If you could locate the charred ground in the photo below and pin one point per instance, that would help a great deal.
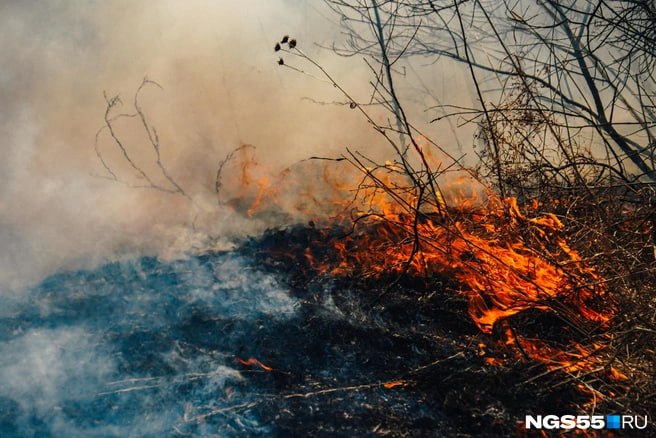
(418, 333)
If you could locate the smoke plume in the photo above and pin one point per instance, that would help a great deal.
(221, 88)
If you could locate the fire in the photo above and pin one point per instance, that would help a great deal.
(488, 252)
(505, 262)
(394, 384)
(252, 361)
(505, 258)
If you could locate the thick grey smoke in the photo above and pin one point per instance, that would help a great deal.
(221, 88)
(106, 341)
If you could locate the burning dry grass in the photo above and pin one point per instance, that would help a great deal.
(614, 228)
(537, 286)
(555, 279)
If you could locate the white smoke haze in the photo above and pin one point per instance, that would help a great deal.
(221, 88)
(110, 351)
(42, 365)
(101, 343)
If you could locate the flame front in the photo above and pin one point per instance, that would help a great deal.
(505, 259)
(504, 262)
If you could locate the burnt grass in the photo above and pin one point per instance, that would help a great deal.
(148, 347)
(331, 362)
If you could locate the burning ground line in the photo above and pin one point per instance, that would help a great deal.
(423, 242)
(543, 299)
(396, 237)
(486, 306)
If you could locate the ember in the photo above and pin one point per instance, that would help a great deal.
(253, 361)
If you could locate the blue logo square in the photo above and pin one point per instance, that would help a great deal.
(613, 421)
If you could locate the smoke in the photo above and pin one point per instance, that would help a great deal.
(137, 348)
(108, 340)
(221, 87)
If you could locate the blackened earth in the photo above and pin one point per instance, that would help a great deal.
(152, 348)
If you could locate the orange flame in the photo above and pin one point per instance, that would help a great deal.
(252, 361)
(505, 260)
(394, 384)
